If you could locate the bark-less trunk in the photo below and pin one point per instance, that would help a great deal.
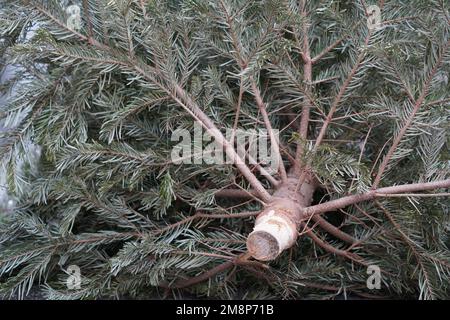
(276, 227)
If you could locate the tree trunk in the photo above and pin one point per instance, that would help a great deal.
(276, 226)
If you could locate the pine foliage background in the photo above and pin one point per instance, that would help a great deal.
(102, 102)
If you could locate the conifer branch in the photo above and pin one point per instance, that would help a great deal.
(333, 230)
(341, 93)
(273, 140)
(419, 258)
(86, 144)
(354, 199)
(328, 247)
(418, 104)
(307, 74)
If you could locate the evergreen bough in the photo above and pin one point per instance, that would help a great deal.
(363, 114)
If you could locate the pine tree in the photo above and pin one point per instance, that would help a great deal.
(362, 110)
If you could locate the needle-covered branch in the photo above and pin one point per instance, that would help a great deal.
(418, 104)
(99, 103)
(273, 138)
(354, 199)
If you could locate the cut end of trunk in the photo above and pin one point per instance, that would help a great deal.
(276, 226)
(262, 246)
(272, 234)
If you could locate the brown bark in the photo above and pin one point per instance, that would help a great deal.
(236, 193)
(378, 193)
(328, 227)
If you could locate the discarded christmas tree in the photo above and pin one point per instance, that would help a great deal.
(353, 97)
